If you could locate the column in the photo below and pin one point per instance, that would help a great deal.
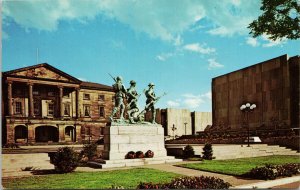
(9, 96)
(30, 94)
(60, 101)
(77, 102)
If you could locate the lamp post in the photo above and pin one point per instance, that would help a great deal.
(185, 127)
(173, 129)
(246, 109)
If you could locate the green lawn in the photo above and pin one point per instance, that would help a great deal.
(128, 178)
(240, 166)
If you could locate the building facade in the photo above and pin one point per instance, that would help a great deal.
(178, 122)
(272, 85)
(40, 103)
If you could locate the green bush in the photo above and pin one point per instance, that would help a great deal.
(188, 151)
(89, 151)
(201, 182)
(273, 171)
(149, 154)
(207, 152)
(65, 160)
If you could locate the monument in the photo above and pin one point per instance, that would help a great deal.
(133, 134)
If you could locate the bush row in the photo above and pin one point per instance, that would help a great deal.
(188, 152)
(273, 171)
(201, 182)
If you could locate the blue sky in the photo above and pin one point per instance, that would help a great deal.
(179, 45)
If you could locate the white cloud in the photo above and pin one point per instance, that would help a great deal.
(213, 64)
(171, 103)
(202, 49)
(164, 56)
(264, 41)
(252, 41)
(271, 43)
(191, 101)
(159, 19)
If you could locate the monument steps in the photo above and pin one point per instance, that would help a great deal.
(133, 162)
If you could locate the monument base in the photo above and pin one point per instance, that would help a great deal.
(119, 140)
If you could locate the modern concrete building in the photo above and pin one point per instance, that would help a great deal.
(178, 122)
(43, 104)
(273, 85)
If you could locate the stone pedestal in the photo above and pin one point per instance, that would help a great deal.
(119, 140)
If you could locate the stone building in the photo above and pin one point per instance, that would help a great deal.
(40, 103)
(273, 85)
(183, 121)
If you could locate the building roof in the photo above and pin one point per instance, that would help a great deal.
(97, 86)
(46, 65)
(83, 84)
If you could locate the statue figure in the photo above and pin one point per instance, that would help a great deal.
(132, 98)
(151, 100)
(120, 91)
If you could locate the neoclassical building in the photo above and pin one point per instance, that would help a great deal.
(42, 104)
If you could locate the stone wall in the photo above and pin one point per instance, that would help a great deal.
(266, 84)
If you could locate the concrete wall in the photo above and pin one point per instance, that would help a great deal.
(202, 119)
(178, 117)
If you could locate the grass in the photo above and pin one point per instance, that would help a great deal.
(128, 178)
(240, 166)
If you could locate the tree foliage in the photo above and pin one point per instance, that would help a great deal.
(280, 19)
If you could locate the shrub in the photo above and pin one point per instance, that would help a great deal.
(207, 152)
(201, 182)
(273, 171)
(130, 155)
(139, 154)
(149, 154)
(65, 160)
(188, 151)
(89, 151)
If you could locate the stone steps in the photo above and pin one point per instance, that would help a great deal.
(222, 152)
(133, 162)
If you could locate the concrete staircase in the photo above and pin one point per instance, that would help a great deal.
(226, 151)
(133, 162)
(14, 164)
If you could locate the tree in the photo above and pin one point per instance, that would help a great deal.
(280, 19)
(207, 152)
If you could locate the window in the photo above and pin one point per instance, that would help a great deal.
(101, 111)
(86, 96)
(67, 109)
(66, 94)
(36, 107)
(51, 93)
(18, 108)
(35, 92)
(101, 97)
(51, 109)
(86, 110)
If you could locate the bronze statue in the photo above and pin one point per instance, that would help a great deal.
(120, 93)
(151, 100)
(132, 98)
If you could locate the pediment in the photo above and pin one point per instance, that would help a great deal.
(43, 71)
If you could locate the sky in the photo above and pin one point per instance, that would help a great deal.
(179, 45)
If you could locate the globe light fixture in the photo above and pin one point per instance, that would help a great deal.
(246, 109)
